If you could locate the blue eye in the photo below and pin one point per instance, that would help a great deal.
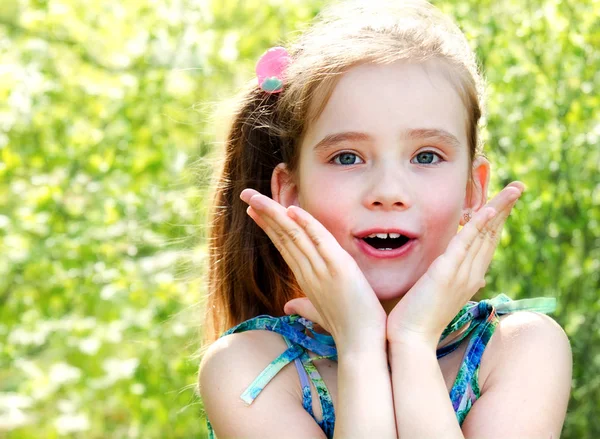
(428, 158)
(346, 158)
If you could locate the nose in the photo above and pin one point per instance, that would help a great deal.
(388, 189)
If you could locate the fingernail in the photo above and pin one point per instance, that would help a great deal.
(294, 212)
(245, 195)
(257, 201)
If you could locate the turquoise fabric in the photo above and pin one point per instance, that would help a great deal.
(482, 318)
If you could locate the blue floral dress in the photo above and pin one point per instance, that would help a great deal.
(482, 318)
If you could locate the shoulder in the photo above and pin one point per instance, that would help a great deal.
(527, 340)
(232, 362)
(250, 346)
(529, 364)
(227, 369)
(531, 337)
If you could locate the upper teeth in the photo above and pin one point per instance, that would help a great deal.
(384, 235)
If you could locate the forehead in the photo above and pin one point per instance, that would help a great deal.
(390, 100)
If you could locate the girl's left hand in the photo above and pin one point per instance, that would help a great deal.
(454, 277)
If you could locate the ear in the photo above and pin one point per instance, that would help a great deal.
(283, 188)
(477, 188)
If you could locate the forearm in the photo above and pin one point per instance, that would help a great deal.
(365, 405)
(423, 409)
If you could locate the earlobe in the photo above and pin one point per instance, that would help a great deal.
(477, 188)
(283, 188)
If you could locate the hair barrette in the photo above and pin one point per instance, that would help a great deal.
(270, 69)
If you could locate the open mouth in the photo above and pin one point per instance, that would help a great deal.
(386, 241)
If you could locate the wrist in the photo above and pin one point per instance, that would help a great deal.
(401, 352)
(411, 340)
(364, 345)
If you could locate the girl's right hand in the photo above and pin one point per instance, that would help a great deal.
(339, 297)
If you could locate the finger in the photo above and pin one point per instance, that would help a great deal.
(472, 272)
(493, 229)
(478, 261)
(493, 240)
(502, 203)
(518, 184)
(324, 241)
(288, 236)
(462, 243)
(506, 196)
(304, 307)
(502, 206)
(508, 203)
(480, 235)
(247, 194)
(285, 238)
(256, 217)
(467, 244)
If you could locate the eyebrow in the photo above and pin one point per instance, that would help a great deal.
(413, 134)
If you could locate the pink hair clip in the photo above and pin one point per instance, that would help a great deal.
(270, 69)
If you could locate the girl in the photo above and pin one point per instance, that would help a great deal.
(349, 167)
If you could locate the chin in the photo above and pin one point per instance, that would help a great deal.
(389, 291)
(389, 296)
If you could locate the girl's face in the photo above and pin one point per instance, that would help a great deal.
(388, 153)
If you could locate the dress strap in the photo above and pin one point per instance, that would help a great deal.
(463, 394)
(327, 410)
(505, 305)
(304, 381)
(269, 373)
(293, 327)
(475, 312)
(483, 318)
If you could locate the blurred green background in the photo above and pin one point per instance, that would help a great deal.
(108, 132)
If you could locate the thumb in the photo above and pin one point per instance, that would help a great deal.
(304, 307)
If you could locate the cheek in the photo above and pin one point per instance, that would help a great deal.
(332, 213)
(331, 206)
(442, 216)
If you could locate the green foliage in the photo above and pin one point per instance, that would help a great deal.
(107, 136)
